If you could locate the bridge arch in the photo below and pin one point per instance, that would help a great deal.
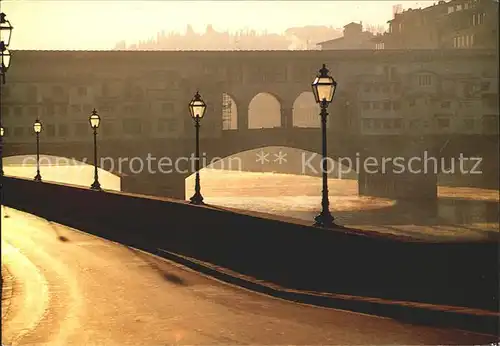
(264, 111)
(306, 111)
(287, 159)
(229, 112)
(63, 170)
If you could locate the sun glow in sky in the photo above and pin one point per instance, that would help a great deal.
(98, 24)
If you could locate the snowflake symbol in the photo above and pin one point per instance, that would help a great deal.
(262, 157)
(280, 157)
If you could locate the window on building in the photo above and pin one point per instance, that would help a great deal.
(18, 131)
(57, 91)
(387, 105)
(443, 123)
(425, 80)
(490, 101)
(377, 123)
(108, 130)
(49, 110)
(87, 108)
(51, 130)
(469, 124)
(132, 126)
(367, 123)
(485, 86)
(167, 125)
(76, 109)
(398, 123)
(490, 123)
(380, 46)
(459, 7)
(82, 129)
(63, 130)
(396, 105)
(33, 111)
(387, 123)
(18, 111)
(31, 93)
(481, 18)
(366, 105)
(167, 107)
(472, 40)
(445, 104)
(415, 124)
(451, 9)
(62, 110)
(128, 109)
(376, 105)
(105, 90)
(82, 91)
(455, 42)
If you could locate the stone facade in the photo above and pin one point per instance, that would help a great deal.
(456, 24)
(143, 95)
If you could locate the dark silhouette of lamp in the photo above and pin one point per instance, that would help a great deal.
(324, 87)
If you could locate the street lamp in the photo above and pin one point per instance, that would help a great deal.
(5, 35)
(94, 120)
(324, 89)
(197, 109)
(37, 127)
(5, 30)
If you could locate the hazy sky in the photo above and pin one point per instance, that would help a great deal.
(98, 24)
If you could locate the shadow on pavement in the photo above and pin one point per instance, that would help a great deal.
(156, 265)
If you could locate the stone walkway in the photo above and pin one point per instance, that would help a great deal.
(7, 290)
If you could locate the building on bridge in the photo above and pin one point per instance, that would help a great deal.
(145, 94)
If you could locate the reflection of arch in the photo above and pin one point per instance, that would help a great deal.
(63, 170)
(264, 111)
(245, 160)
(229, 112)
(306, 111)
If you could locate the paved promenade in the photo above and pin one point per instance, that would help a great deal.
(76, 289)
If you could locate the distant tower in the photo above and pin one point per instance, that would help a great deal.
(226, 111)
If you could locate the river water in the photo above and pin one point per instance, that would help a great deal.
(460, 213)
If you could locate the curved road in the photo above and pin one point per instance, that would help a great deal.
(71, 288)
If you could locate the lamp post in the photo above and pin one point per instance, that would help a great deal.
(94, 120)
(197, 109)
(37, 127)
(5, 35)
(324, 89)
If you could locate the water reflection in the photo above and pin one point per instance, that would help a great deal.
(459, 213)
(61, 170)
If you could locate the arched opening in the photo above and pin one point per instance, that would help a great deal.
(306, 111)
(61, 170)
(229, 113)
(274, 180)
(264, 111)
